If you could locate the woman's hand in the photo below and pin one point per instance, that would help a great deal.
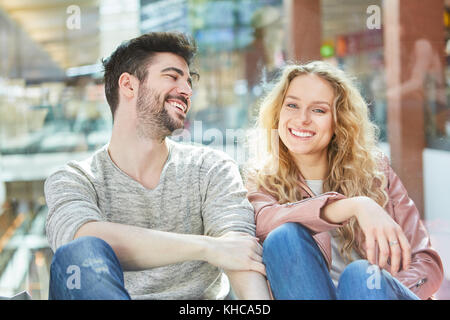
(380, 229)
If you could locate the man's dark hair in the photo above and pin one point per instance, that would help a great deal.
(135, 55)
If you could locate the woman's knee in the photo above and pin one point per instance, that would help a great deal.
(286, 235)
(358, 276)
(362, 280)
(359, 268)
(286, 232)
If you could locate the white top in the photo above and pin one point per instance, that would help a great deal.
(338, 263)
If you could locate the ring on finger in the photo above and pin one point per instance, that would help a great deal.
(393, 243)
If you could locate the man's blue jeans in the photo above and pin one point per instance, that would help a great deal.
(297, 270)
(86, 269)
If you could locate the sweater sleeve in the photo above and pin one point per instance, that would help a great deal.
(225, 206)
(71, 202)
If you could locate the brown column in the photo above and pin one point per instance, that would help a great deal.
(304, 29)
(413, 34)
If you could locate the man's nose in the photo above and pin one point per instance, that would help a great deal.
(185, 90)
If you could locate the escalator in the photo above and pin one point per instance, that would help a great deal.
(25, 257)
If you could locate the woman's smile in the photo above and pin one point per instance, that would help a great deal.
(302, 134)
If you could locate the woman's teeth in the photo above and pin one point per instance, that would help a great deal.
(301, 134)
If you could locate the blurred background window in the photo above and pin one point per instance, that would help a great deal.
(53, 109)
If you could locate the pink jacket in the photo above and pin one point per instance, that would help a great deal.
(425, 273)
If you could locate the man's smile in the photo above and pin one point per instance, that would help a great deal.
(179, 102)
(178, 105)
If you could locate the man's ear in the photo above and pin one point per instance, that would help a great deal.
(128, 85)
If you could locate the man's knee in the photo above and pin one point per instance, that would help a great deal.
(86, 268)
(76, 251)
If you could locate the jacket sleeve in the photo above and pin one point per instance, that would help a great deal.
(269, 214)
(425, 273)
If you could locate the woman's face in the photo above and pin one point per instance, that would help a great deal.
(306, 117)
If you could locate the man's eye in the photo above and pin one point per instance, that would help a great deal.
(174, 77)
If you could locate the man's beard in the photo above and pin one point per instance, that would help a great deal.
(153, 119)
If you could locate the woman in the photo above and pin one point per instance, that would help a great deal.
(335, 219)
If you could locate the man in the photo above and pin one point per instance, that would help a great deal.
(146, 217)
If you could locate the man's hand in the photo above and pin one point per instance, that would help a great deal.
(236, 251)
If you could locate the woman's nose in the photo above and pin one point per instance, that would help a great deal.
(304, 115)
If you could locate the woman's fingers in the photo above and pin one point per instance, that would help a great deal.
(370, 248)
(384, 249)
(395, 254)
(406, 250)
(395, 246)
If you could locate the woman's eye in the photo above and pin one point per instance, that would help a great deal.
(291, 105)
(318, 110)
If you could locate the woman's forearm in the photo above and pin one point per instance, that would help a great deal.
(339, 211)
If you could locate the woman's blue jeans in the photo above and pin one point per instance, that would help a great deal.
(297, 270)
(86, 269)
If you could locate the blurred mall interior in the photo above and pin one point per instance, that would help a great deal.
(53, 109)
